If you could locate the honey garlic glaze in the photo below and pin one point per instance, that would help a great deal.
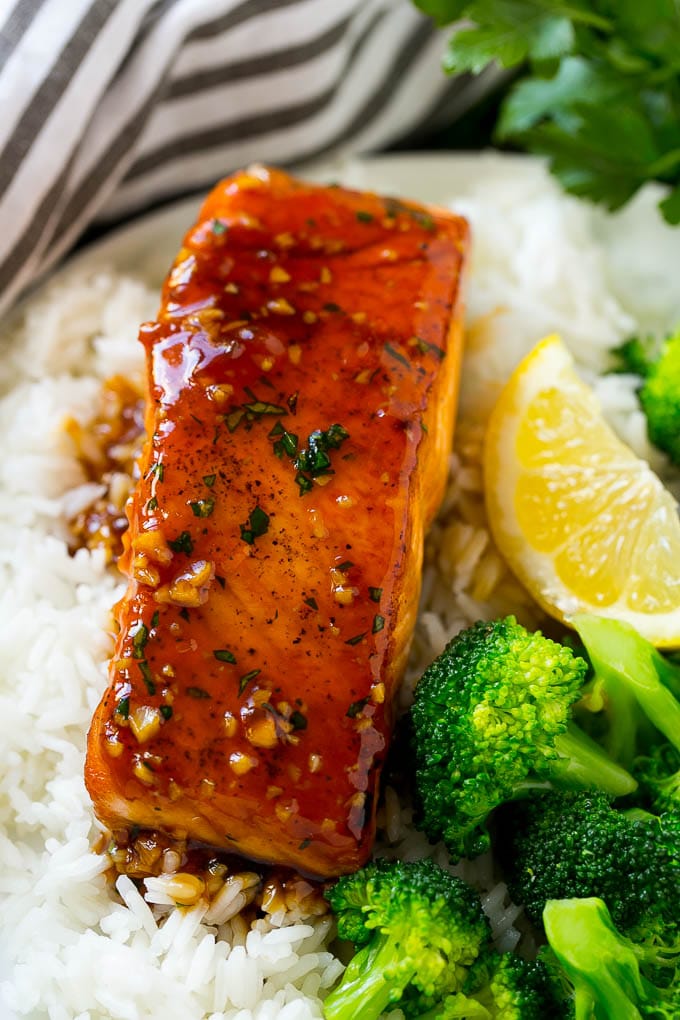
(301, 387)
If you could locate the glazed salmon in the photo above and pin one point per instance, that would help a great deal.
(302, 377)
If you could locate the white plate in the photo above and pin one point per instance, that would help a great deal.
(147, 245)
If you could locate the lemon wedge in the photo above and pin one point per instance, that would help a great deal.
(585, 524)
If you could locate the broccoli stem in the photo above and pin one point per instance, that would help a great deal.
(366, 990)
(584, 763)
(622, 657)
(602, 965)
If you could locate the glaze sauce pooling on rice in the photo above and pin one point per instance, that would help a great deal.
(72, 941)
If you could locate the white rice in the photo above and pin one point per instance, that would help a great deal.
(73, 945)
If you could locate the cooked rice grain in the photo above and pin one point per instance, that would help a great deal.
(74, 944)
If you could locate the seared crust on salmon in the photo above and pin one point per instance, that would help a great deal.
(302, 376)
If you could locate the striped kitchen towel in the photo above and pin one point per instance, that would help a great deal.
(111, 106)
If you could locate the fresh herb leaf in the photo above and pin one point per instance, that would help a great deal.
(219, 227)
(364, 217)
(314, 460)
(378, 623)
(152, 504)
(397, 355)
(245, 680)
(139, 639)
(203, 507)
(183, 543)
(600, 90)
(298, 721)
(356, 639)
(312, 603)
(345, 565)
(123, 708)
(305, 843)
(304, 483)
(224, 655)
(258, 525)
(209, 480)
(147, 677)
(197, 692)
(154, 619)
(166, 712)
(375, 594)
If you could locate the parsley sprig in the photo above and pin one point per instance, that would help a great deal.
(599, 89)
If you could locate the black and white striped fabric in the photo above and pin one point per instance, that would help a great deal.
(109, 106)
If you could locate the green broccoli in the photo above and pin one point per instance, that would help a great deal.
(659, 777)
(560, 845)
(637, 687)
(416, 929)
(514, 989)
(659, 393)
(613, 976)
(492, 721)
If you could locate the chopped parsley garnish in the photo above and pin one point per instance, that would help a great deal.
(139, 639)
(252, 411)
(158, 470)
(258, 525)
(183, 543)
(145, 670)
(224, 655)
(209, 480)
(356, 707)
(305, 843)
(345, 565)
(123, 708)
(166, 712)
(364, 217)
(298, 721)
(152, 504)
(154, 620)
(397, 355)
(378, 623)
(305, 484)
(314, 460)
(219, 227)
(375, 594)
(284, 442)
(197, 692)
(312, 603)
(245, 680)
(427, 348)
(203, 507)
(356, 639)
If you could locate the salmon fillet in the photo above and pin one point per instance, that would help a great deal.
(302, 376)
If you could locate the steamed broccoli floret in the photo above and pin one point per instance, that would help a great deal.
(639, 688)
(659, 394)
(565, 845)
(610, 973)
(515, 989)
(416, 928)
(659, 777)
(637, 354)
(491, 721)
